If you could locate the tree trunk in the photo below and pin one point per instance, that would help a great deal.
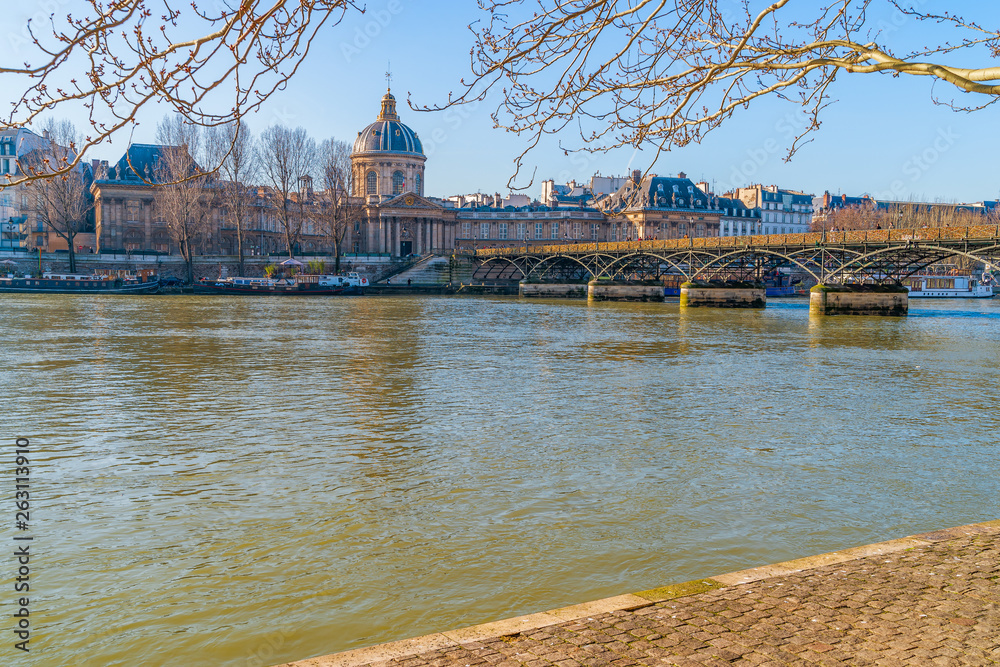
(188, 259)
(72, 251)
(239, 245)
(336, 256)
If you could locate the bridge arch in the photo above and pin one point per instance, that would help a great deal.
(623, 261)
(943, 253)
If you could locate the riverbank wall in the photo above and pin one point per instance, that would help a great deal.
(923, 599)
(374, 267)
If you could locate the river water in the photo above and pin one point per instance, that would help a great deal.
(250, 481)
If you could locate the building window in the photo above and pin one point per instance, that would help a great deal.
(503, 231)
(555, 230)
(577, 231)
(371, 183)
(539, 230)
(614, 231)
(466, 230)
(398, 183)
(420, 185)
(522, 231)
(484, 230)
(682, 229)
(593, 230)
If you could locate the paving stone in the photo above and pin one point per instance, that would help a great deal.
(936, 603)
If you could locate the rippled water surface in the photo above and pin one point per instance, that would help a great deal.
(241, 481)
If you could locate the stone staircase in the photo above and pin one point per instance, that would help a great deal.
(435, 270)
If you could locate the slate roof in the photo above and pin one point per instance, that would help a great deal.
(388, 134)
(660, 192)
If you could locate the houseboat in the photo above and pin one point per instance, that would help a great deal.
(112, 282)
(947, 287)
(303, 285)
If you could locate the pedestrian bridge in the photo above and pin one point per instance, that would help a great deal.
(880, 256)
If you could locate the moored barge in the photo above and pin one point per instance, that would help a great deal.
(305, 285)
(116, 282)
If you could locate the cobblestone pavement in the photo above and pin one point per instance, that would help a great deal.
(937, 603)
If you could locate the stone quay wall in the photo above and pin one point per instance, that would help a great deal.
(208, 266)
(825, 301)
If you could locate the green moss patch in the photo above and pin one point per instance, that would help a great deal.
(680, 590)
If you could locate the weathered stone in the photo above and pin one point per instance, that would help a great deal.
(704, 295)
(858, 300)
(553, 290)
(609, 290)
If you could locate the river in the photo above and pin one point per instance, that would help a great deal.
(242, 481)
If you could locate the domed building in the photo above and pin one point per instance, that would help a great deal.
(388, 159)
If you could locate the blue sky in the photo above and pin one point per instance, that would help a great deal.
(883, 136)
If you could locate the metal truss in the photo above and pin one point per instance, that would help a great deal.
(887, 256)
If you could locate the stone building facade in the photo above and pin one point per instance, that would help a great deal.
(398, 219)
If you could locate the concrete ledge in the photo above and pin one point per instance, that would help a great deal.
(379, 653)
(522, 624)
(585, 609)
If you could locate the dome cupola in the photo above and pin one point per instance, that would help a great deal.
(388, 134)
(388, 158)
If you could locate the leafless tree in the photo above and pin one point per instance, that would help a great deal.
(661, 73)
(62, 203)
(285, 157)
(183, 200)
(212, 63)
(902, 215)
(337, 211)
(232, 147)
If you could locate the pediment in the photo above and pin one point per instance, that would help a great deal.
(410, 200)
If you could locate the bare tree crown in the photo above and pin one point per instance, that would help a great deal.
(663, 74)
(211, 63)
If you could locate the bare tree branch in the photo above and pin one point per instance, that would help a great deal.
(209, 66)
(664, 73)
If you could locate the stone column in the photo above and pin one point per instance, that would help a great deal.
(394, 247)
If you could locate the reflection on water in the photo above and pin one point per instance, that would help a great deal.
(220, 481)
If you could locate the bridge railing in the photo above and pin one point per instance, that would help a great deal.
(978, 232)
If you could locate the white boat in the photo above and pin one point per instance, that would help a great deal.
(948, 287)
(354, 279)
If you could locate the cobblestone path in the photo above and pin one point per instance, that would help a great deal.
(935, 603)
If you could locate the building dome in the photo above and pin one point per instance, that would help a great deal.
(388, 134)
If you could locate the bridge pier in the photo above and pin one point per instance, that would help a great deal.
(723, 295)
(886, 300)
(552, 290)
(612, 290)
